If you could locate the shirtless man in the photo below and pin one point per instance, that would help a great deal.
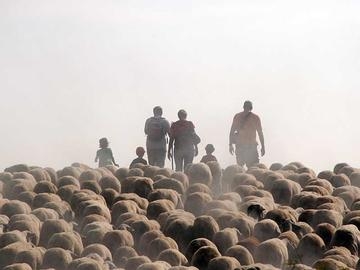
(243, 134)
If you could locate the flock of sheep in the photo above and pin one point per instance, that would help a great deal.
(150, 218)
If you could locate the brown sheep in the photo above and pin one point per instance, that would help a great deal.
(228, 176)
(223, 263)
(117, 238)
(158, 265)
(347, 236)
(173, 257)
(326, 231)
(32, 257)
(66, 240)
(168, 194)
(160, 244)
(226, 238)
(135, 262)
(272, 251)
(204, 227)
(182, 177)
(155, 208)
(52, 226)
(56, 258)
(266, 229)
(18, 266)
(283, 190)
(340, 180)
(200, 173)
(122, 254)
(170, 183)
(99, 249)
(240, 253)
(310, 249)
(110, 182)
(9, 252)
(203, 256)
(67, 180)
(14, 207)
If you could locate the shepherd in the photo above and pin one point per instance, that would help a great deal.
(156, 129)
(243, 131)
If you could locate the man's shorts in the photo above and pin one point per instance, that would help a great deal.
(247, 154)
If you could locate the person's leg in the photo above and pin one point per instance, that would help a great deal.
(252, 156)
(160, 158)
(188, 157)
(239, 152)
(178, 157)
(151, 156)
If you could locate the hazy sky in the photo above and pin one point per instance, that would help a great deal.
(74, 71)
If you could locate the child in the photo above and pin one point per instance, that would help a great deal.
(104, 154)
(140, 151)
(208, 157)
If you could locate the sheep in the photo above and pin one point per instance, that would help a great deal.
(272, 251)
(173, 257)
(9, 252)
(224, 263)
(204, 226)
(310, 248)
(226, 238)
(203, 256)
(33, 257)
(122, 254)
(18, 266)
(117, 238)
(199, 173)
(240, 253)
(99, 249)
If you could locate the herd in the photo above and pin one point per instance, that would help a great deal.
(206, 218)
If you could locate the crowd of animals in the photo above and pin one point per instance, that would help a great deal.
(206, 218)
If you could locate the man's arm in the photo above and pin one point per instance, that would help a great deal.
(170, 147)
(146, 127)
(232, 135)
(261, 137)
(97, 157)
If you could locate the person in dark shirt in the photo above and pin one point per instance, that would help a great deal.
(140, 151)
(209, 148)
(184, 139)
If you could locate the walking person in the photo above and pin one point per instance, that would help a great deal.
(156, 129)
(243, 131)
(184, 140)
(104, 155)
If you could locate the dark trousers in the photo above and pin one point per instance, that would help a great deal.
(183, 157)
(156, 157)
(247, 154)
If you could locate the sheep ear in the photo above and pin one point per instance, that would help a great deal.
(74, 256)
(31, 237)
(5, 227)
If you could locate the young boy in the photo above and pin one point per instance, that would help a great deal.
(140, 151)
(208, 157)
(104, 155)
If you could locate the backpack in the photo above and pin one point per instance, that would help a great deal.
(155, 129)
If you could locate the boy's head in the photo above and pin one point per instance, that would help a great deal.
(209, 149)
(182, 114)
(103, 142)
(140, 151)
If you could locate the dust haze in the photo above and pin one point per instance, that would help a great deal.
(74, 71)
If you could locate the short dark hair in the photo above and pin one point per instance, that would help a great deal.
(182, 114)
(248, 104)
(157, 110)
